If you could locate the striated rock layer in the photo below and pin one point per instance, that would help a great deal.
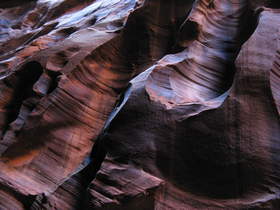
(218, 153)
(60, 129)
(117, 186)
(200, 129)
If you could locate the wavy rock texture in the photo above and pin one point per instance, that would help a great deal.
(204, 120)
(205, 67)
(218, 152)
(70, 116)
(63, 66)
(117, 186)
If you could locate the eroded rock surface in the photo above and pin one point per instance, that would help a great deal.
(117, 186)
(200, 129)
(221, 152)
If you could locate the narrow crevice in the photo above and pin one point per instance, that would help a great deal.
(249, 26)
(22, 83)
(188, 33)
(55, 77)
(99, 151)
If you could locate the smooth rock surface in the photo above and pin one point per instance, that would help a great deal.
(200, 129)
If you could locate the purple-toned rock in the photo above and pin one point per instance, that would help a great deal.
(200, 129)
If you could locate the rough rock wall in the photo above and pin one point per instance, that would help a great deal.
(203, 120)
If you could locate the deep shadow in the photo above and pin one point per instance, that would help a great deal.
(189, 31)
(192, 154)
(273, 4)
(22, 84)
(25, 200)
(55, 78)
(14, 3)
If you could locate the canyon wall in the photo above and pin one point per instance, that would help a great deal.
(139, 104)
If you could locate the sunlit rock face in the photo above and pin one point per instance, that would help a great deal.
(200, 128)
